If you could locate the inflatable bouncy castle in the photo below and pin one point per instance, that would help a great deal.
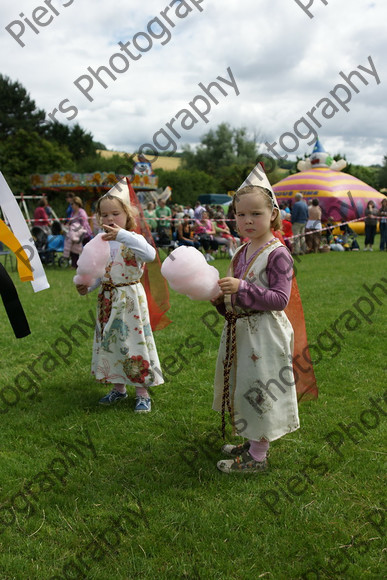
(341, 196)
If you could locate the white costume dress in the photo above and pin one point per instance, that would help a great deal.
(124, 350)
(262, 392)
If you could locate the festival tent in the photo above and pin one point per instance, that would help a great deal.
(341, 196)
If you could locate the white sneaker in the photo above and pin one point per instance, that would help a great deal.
(211, 258)
(208, 257)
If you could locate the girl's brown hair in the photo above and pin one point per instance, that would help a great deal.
(267, 196)
(129, 210)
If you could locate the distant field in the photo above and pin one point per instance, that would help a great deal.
(166, 163)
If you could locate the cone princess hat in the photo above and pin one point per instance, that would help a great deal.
(121, 190)
(258, 178)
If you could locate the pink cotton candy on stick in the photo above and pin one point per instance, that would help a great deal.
(188, 273)
(92, 262)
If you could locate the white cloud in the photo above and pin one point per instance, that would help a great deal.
(283, 62)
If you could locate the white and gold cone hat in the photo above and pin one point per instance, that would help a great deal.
(258, 178)
(121, 190)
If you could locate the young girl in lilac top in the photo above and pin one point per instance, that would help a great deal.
(254, 378)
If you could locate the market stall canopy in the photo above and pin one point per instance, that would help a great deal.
(100, 180)
(341, 196)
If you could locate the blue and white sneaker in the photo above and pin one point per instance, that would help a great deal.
(143, 405)
(112, 397)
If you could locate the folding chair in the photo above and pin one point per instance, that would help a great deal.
(7, 254)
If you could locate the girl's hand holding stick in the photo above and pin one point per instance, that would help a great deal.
(229, 285)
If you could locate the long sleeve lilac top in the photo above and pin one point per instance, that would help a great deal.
(252, 296)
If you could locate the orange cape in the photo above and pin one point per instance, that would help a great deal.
(154, 283)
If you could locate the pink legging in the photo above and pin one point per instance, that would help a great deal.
(258, 449)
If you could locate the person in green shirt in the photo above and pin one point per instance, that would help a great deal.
(163, 212)
(150, 214)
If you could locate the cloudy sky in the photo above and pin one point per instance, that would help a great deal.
(160, 56)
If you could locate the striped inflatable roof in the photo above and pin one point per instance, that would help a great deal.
(322, 181)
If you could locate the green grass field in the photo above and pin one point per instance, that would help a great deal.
(102, 493)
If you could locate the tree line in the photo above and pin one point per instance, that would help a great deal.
(30, 144)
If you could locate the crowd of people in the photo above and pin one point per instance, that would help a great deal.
(212, 228)
(200, 226)
(304, 233)
(69, 237)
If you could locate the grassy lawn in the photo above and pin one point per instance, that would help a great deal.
(102, 493)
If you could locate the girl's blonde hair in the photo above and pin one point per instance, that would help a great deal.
(78, 201)
(130, 211)
(268, 198)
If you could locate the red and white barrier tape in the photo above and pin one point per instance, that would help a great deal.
(332, 227)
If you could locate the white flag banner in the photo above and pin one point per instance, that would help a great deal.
(20, 229)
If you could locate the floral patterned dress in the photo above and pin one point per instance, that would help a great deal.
(124, 349)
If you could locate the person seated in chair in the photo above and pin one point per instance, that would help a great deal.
(185, 233)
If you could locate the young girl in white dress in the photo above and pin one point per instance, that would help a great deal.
(124, 350)
(254, 378)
